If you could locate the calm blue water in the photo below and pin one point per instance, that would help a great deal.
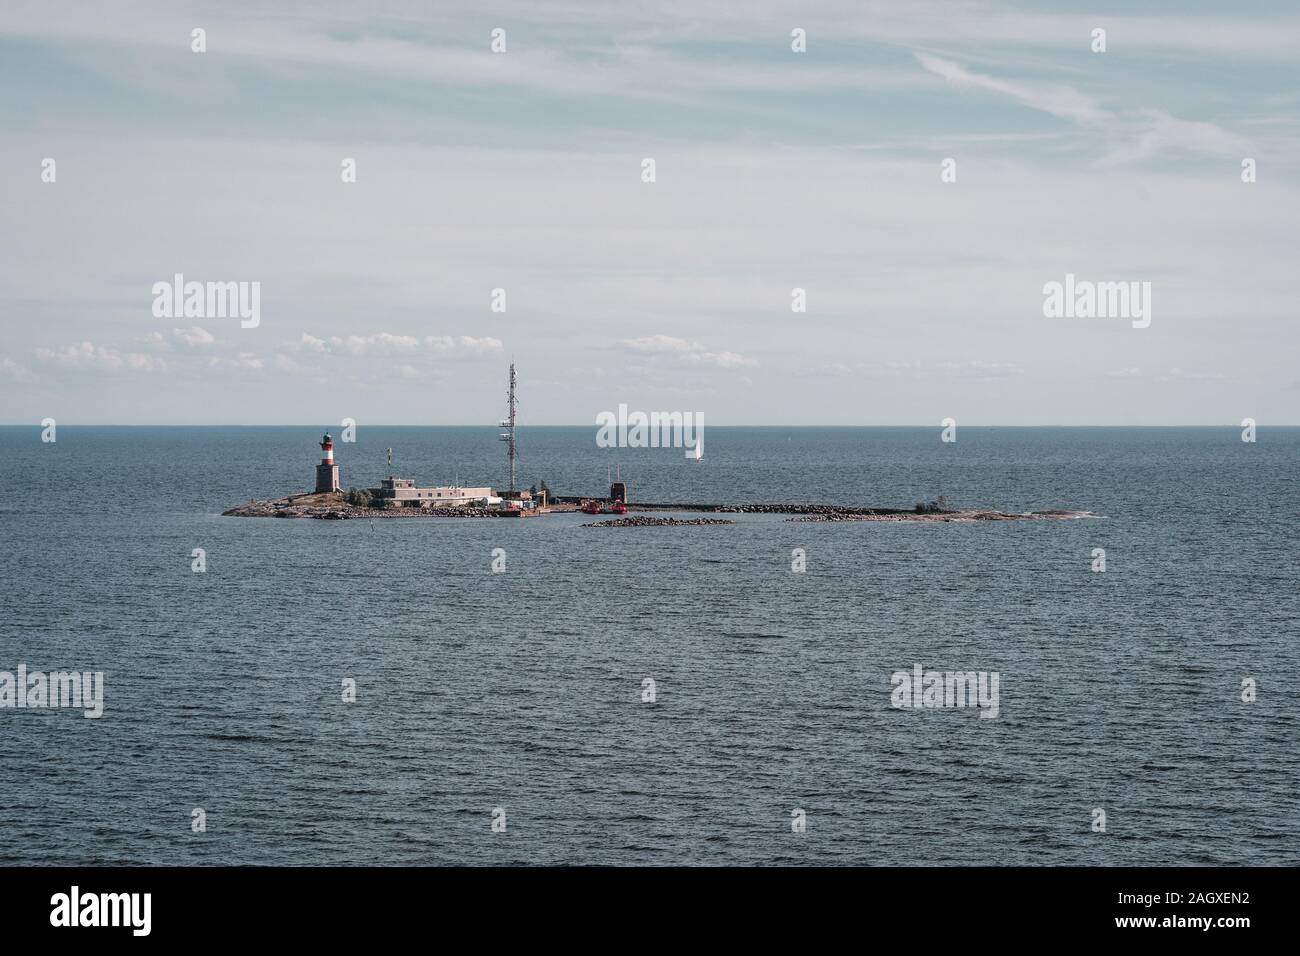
(522, 690)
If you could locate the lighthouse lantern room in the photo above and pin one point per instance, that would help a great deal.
(327, 473)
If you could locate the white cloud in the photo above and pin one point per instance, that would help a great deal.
(462, 343)
(380, 342)
(659, 343)
(691, 353)
(385, 343)
(11, 370)
(89, 355)
(194, 336)
(244, 361)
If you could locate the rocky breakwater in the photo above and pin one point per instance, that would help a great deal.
(814, 510)
(946, 516)
(643, 522)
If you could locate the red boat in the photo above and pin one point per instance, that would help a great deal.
(618, 508)
(591, 507)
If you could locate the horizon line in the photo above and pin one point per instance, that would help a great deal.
(315, 425)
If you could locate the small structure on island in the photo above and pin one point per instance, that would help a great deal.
(327, 473)
(402, 493)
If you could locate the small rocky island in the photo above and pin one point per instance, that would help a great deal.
(336, 505)
(402, 498)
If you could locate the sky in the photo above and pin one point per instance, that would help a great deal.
(775, 170)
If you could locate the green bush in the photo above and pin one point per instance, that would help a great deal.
(361, 498)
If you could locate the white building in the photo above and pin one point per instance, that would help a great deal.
(403, 493)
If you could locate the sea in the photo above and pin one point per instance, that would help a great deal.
(536, 692)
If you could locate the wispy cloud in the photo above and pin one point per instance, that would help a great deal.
(1061, 101)
(1143, 132)
(690, 353)
(1158, 134)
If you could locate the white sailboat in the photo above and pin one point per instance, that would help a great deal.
(696, 453)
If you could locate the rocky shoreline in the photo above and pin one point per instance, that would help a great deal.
(329, 507)
(642, 522)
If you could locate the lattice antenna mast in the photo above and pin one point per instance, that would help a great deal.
(509, 425)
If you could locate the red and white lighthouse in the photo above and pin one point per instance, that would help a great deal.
(327, 473)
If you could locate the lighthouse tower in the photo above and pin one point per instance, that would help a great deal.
(327, 473)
